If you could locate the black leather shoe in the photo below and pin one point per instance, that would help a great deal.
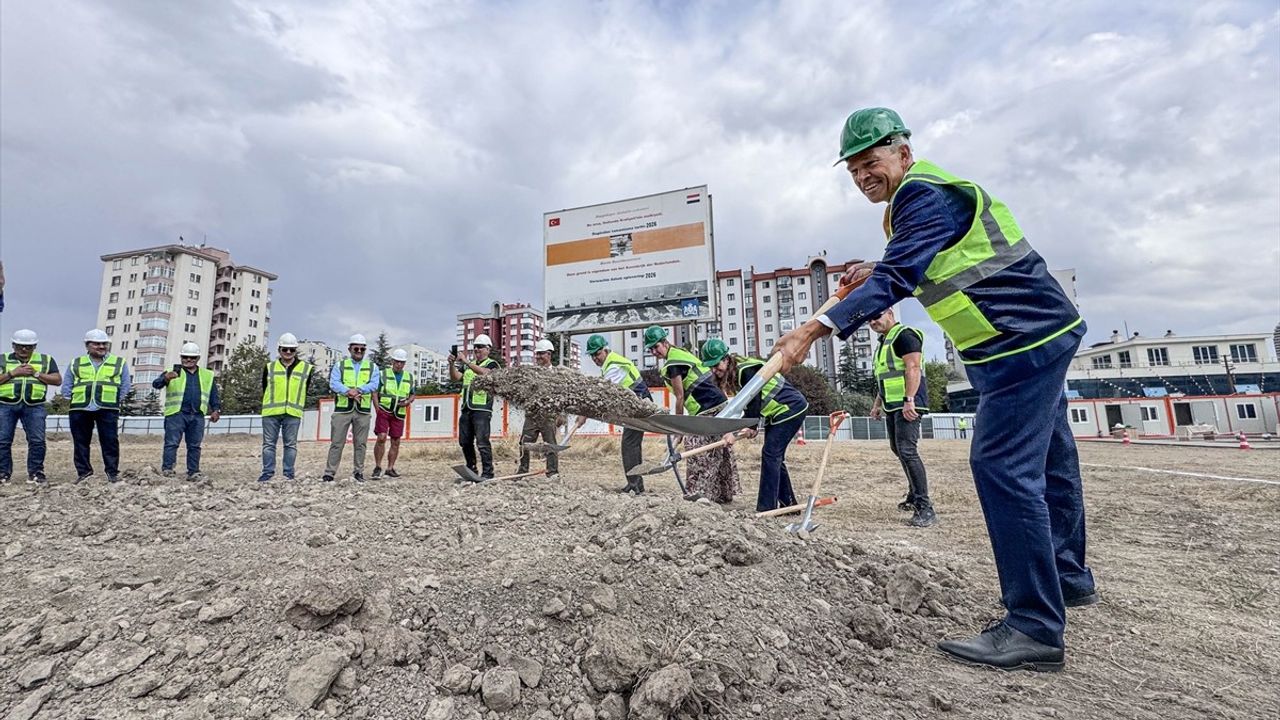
(1003, 647)
(1092, 598)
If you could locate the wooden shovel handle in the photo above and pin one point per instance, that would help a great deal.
(710, 446)
(796, 508)
(521, 475)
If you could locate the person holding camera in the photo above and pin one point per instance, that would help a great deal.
(477, 405)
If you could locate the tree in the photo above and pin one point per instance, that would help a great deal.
(130, 404)
(853, 379)
(936, 374)
(814, 386)
(555, 339)
(241, 381)
(857, 404)
(150, 403)
(430, 387)
(317, 388)
(382, 351)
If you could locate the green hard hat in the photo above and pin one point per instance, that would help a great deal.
(653, 335)
(713, 351)
(596, 343)
(866, 127)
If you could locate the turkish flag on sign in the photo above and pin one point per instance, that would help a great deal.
(553, 222)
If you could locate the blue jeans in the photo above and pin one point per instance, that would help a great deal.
(177, 425)
(1027, 474)
(273, 427)
(775, 481)
(32, 417)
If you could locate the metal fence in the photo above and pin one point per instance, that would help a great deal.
(942, 426)
(154, 425)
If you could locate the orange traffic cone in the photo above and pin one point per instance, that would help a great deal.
(1244, 442)
(1125, 438)
(800, 438)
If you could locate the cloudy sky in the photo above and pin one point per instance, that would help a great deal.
(391, 159)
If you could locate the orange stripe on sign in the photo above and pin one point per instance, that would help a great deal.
(578, 251)
(680, 236)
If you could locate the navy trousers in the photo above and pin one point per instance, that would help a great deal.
(775, 481)
(1027, 475)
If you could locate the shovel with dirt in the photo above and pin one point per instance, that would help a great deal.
(549, 392)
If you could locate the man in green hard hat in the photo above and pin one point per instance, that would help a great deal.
(622, 372)
(960, 252)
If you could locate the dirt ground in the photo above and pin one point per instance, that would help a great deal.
(160, 598)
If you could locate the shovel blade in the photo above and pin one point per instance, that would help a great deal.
(467, 474)
(685, 424)
(651, 469)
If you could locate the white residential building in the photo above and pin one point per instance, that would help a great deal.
(155, 299)
(321, 356)
(425, 364)
(755, 309)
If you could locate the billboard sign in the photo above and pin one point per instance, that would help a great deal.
(644, 261)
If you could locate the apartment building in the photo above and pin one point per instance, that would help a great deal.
(319, 354)
(155, 299)
(426, 365)
(755, 309)
(514, 328)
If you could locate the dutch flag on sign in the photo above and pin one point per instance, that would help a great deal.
(691, 199)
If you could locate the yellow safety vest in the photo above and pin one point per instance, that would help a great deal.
(476, 399)
(700, 389)
(24, 390)
(353, 379)
(100, 385)
(992, 244)
(392, 391)
(286, 392)
(177, 389)
(891, 375)
(632, 379)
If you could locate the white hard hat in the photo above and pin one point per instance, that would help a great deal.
(287, 340)
(96, 335)
(482, 340)
(25, 337)
(189, 349)
(544, 345)
(399, 355)
(357, 339)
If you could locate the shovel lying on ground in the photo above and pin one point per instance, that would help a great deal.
(546, 448)
(676, 456)
(821, 502)
(806, 523)
(748, 392)
(469, 475)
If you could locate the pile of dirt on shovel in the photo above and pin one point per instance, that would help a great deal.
(416, 598)
(549, 392)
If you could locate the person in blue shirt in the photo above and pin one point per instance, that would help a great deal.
(190, 394)
(960, 252)
(95, 384)
(353, 381)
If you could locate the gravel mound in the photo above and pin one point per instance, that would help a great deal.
(419, 599)
(549, 392)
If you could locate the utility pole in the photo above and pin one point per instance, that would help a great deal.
(1231, 379)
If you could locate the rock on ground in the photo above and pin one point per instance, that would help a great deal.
(615, 657)
(662, 693)
(500, 689)
(309, 682)
(107, 662)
